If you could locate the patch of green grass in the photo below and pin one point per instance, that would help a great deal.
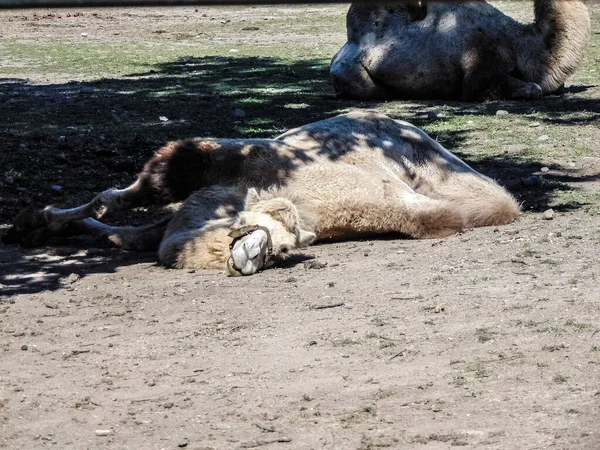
(480, 371)
(578, 326)
(384, 393)
(484, 334)
(345, 342)
(573, 198)
(559, 379)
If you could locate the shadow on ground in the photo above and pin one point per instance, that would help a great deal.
(63, 143)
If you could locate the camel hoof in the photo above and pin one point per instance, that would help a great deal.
(29, 229)
(248, 255)
(530, 91)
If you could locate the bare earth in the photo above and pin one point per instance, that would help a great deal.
(489, 339)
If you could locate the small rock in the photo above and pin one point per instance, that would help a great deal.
(233, 50)
(530, 181)
(83, 34)
(314, 264)
(72, 278)
(534, 124)
(432, 115)
(331, 284)
(470, 122)
(103, 432)
(548, 214)
(163, 119)
(24, 347)
(239, 113)
(56, 188)
(9, 179)
(168, 405)
(502, 112)
(545, 169)
(182, 444)
(543, 137)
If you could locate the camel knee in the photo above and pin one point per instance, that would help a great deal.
(170, 249)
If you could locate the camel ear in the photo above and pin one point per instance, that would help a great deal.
(251, 199)
(284, 213)
(306, 238)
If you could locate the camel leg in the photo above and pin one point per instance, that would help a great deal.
(413, 214)
(33, 227)
(145, 237)
(516, 89)
(197, 235)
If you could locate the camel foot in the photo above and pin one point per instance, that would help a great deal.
(29, 229)
(529, 91)
(249, 254)
(33, 228)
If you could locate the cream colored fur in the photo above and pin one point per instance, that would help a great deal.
(366, 174)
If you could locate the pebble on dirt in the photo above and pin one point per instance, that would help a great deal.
(103, 432)
(239, 113)
(73, 278)
(543, 137)
(56, 188)
(24, 347)
(501, 112)
(432, 115)
(530, 181)
(548, 214)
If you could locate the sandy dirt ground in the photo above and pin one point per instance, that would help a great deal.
(489, 340)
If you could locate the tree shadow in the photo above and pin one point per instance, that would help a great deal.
(63, 143)
(29, 271)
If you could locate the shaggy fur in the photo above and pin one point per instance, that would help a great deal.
(466, 50)
(355, 174)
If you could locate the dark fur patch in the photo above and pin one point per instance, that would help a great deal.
(182, 167)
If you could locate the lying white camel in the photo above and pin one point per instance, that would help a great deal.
(249, 202)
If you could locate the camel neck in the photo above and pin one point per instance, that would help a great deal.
(563, 28)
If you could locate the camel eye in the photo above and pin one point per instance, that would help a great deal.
(284, 249)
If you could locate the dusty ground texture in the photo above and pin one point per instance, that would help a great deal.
(489, 339)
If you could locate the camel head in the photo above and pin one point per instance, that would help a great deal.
(265, 232)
